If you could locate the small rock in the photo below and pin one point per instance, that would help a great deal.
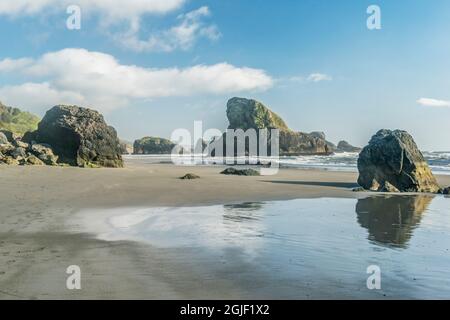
(3, 138)
(20, 144)
(34, 161)
(19, 153)
(45, 153)
(388, 187)
(358, 189)
(10, 161)
(446, 190)
(10, 136)
(240, 172)
(190, 176)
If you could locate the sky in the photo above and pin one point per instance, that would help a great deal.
(153, 66)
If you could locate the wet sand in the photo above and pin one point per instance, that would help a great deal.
(37, 244)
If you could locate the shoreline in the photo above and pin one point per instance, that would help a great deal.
(37, 244)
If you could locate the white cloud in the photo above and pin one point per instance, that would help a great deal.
(182, 36)
(113, 9)
(123, 22)
(8, 65)
(428, 102)
(99, 80)
(317, 77)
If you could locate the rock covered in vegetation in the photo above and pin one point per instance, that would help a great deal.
(392, 162)
(248, 114)
(153, 145)
(80, 137)
(240, 172)
(16, 121)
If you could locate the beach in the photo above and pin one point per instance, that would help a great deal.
(39, 238)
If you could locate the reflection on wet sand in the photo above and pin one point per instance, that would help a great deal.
(242, 211)
(391, 220)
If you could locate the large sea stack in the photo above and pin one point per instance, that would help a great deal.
(251, 114)
(392, 162)
(80, 137)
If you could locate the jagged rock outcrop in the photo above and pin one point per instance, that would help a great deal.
(153, 145)
(79, 137)
(16, 152)
(392, 162)
(344, 146)
(251, 114)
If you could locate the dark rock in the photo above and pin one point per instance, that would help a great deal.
(446, 190)
(358, 189)
(80, 137)
(19, 153)
(45, 153)
(344, 146)
(240, 172)
(190, 176)
(153, 145)
(3, 138)
(10, 136)
(392, 161)
(248, 114)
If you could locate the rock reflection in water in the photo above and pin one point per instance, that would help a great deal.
(391, 220)
(244, 219)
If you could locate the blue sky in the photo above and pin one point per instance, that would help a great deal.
(154, 66)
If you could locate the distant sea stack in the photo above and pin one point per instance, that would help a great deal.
(392, 162)
(153, 145)
(344, 146)
(79, 136)
(251, 114)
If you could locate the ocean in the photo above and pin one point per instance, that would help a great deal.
(439, 161)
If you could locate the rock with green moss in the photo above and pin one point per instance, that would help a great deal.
(153, 145)
(16, 121)
(251, 114)
(79, 137)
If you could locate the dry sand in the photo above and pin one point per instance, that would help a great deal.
(36, 244)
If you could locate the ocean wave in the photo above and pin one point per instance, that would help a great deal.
(439, 161)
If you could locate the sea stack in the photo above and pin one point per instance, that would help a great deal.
(392, 162)
(80, 137)
(247, 114)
